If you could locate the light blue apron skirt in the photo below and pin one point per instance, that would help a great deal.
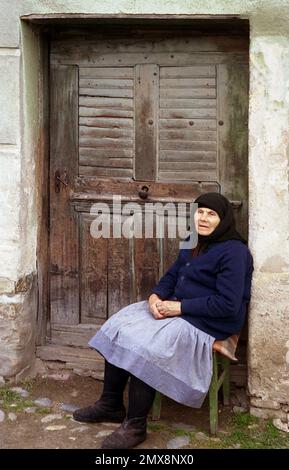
(170, 355)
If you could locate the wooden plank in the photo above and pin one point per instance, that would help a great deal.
(170, 250)
(64, 288)
(205, 124)
(105, 143)
(113, 93)
(209, 175)
(106, 162)
(239, 374)
(146, 120)
(112, 103)
(146, 266)
(106, 83)
(163, 59)
(233, 102)
(187, 155)
(188, 103)
(193, 113)
(181, 93)
(183, 166)
(184, 83)
(171, 40)
(42, 178)
(108, 112)
(188, 135)
(112, 172)
(188, 71)
(187, 145)
(106, 73)
(119, 274)
(84, 111)
(76, 337)
(108, 123)
(74, 357)
(89, 189)
(80, 328)
(105, 133)
(86, 152)
(93, 263)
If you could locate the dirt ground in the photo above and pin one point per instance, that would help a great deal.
(23, 425)
(28, 431)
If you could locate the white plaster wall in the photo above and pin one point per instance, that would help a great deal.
(269, 150)
(9, 101)
(9, 23)
(10, 163)
(31, 115)
(269, 224)
(9, 212)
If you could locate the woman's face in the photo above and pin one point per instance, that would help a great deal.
(206, 220)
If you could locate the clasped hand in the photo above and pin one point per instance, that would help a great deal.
(161, 309)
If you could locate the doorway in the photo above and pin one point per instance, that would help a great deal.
(151, 114)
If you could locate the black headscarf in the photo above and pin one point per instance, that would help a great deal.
(226, 229)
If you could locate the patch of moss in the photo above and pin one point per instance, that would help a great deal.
(241, 420)
(13, 402)
(43, 411)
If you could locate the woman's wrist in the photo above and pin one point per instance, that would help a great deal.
(153, 298)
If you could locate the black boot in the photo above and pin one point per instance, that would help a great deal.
(130, 433)
(108, 408)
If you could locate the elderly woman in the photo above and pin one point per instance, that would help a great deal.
(165, 344)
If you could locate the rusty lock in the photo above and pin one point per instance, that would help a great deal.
(143, 192)
(58, 181)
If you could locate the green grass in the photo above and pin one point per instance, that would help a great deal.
(43, 411)
(243, 431)
(181, 432)
(10, 397)
(243, 420)
(27, 384)
(14, 403)
(157, 427)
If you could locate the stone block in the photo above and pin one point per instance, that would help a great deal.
(17, 332)
(268, 337)
(260, 403)
(267, 414)
(7, 286)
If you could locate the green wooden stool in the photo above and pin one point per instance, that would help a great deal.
(223, 354)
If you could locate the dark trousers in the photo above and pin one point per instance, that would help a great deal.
(140, 395)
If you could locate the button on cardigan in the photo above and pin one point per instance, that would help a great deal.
(214, 288)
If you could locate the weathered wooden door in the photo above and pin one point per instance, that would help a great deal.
(148, 119)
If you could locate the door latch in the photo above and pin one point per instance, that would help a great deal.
(143, 192)
(58, 181)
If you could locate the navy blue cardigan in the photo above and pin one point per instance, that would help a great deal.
(214, 288)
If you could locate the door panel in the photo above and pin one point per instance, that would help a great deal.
(146, 120)
(106, 111)
(188, 150)
(93, 278)
(233, 91)
(64, 242)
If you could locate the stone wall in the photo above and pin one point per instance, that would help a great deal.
(268, 178)
(269, 224)
(18, 311)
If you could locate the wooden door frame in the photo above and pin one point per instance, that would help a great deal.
(43, 25)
